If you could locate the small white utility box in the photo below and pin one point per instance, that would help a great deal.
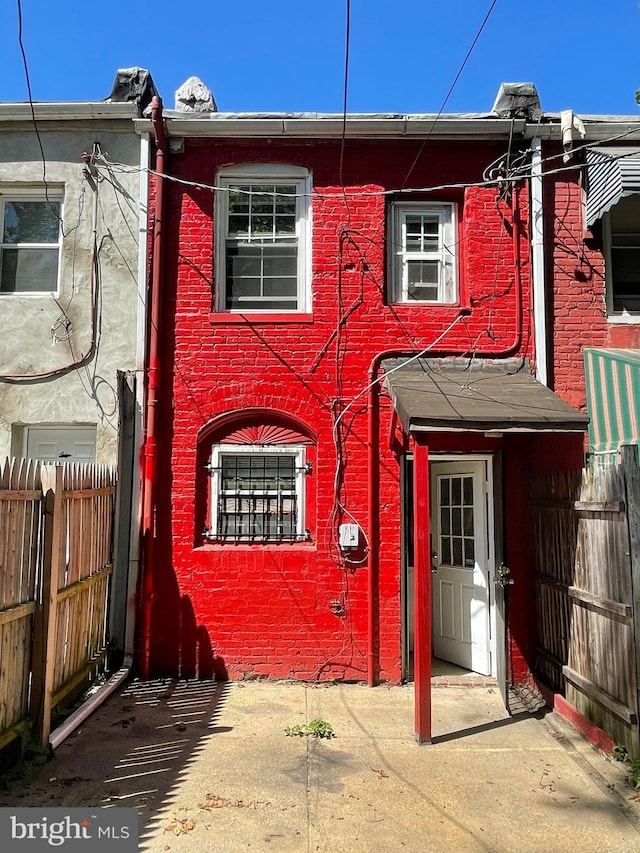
(348, 536)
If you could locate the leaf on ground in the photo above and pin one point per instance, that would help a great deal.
(178, 827)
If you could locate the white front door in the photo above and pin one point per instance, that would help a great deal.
(61, 443)
(460, 555)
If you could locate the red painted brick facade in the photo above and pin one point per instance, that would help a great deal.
(575, 278)
(265, 610)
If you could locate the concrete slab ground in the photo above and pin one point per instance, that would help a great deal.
(210, 770)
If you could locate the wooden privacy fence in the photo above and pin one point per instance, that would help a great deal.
(56, 527)
(587, 536)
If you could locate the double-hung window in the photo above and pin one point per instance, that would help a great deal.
(263, 239)
(622, 246)
(30, 245)
(257, 492)
(423, 250)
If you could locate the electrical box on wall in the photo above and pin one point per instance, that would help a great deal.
(348, 534)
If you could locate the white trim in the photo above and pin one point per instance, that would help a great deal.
(488, 459)
(296, 450)
(445, 255)
(537, 262)
(614, 317)
(276, 174)
(18, 192)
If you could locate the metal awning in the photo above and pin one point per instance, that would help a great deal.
(613, 391)
(612, 174)
(476, 395)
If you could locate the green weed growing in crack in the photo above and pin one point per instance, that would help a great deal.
(621, 753)
(315, 728)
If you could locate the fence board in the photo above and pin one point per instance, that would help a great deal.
(55, 566)
(587, 600)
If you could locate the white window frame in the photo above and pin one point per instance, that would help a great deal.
(446, 255)
(295, 450)
(275, 174)
(9, 194)
(613, 315)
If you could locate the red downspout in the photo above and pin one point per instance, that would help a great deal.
(373, 432)
(149, 452)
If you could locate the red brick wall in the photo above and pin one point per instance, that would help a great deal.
(575, 278)
(265, 609)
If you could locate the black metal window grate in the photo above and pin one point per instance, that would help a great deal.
(257, 496)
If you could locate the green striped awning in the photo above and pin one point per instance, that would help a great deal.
(613, 397)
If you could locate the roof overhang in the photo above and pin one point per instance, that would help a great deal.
(450, 126)
(81, 110)
(478, 396)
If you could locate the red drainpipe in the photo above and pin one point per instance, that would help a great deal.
(149, 451)
(373, 431)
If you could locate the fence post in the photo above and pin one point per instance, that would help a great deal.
(629, 458)
(44, 652)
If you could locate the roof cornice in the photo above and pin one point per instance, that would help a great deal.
(68, 111)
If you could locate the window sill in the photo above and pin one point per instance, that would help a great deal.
(623, 319)
(302, 545)
(249, 318)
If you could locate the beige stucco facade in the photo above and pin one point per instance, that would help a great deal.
(60, 353)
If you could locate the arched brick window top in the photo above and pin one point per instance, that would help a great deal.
(257, 426)
(266, 434)
(260, 464)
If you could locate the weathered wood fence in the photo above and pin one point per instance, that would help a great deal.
(587, 533)
(56, 526)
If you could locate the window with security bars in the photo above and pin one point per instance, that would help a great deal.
(456, 533)
(30, 247)
(257, 494)
(424, 259)
(262, 242)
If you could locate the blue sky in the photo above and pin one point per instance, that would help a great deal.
(288, 55)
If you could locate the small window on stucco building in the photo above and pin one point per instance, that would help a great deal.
(30, 242)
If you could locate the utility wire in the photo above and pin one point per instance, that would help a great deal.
(347, 39)
(33, 112)
(450, 92)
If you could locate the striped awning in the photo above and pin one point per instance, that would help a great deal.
(612, 174)
(613, 397)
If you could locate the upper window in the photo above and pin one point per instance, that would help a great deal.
(622, 243)
(30, 247)
(263, 239)
(423, 253)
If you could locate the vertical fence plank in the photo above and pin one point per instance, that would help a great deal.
(52, 569)
(629, 459)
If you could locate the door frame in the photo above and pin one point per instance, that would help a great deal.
(493, 532)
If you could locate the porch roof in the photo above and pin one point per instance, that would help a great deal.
(476, 395)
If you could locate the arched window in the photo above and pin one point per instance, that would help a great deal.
(259, 466)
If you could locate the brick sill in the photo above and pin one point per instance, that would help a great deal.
(253, 546)
(249, 319)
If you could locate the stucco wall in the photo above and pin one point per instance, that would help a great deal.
(86, 395)
(266, 609)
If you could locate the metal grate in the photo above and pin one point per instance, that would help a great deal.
(257, 496)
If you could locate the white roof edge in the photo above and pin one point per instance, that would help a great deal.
(309, 125)
(384, 125)
(68, 111)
